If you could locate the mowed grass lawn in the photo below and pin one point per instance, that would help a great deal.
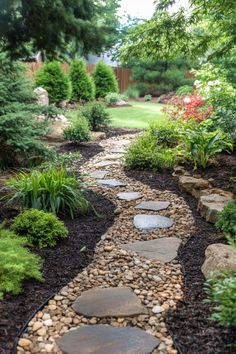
(139, 115)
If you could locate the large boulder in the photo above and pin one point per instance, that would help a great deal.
(218, 258)
(42, 96)
(56, 127)
(210, 205)
(193, 185)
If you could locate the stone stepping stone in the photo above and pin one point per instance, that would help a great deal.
(153, 205)
(110, 183)
(106, 163)
(128, 196)
(122, 142)
(98, 174)
(118, 150)
(151, 222)
(109, 302)
(162, 249)
(113, 157)
(103, 339)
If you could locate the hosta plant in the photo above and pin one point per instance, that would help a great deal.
(200, 144)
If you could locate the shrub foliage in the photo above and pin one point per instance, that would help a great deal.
(78, 131)
(96, 114)
(104, 79)
(40, 228)
(17, 263)
(82, 85)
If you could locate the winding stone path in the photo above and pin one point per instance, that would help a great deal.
(118, 303)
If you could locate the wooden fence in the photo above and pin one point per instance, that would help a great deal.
(123, 75)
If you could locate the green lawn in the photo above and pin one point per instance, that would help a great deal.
(137, 116)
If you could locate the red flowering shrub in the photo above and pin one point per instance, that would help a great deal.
(188, 107)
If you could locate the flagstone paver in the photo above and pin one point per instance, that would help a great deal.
(150, 222)
(122, 142)
(153, 205)
(163, 249)
(111, 183)
(118, 150)
(129, 196)
(113, 157)
(109, 302)
(102, 339)
(99, 174)
(106, 163)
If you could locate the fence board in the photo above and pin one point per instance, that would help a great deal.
(123, 75)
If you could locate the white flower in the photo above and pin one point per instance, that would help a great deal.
(197, 83)
(187, 99)
(210, 83)
(217, 82)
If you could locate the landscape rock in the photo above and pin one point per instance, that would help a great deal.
(42, 96)
(192, 185)
(129, 196)
(97, 136)
(210, 205)
(153, 205)
(108, 302)
(110, 183)
(218, 258)
(98, 174)
(102, 339)
(57, 127)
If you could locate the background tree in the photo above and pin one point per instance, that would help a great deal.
(82, 85)
(49, 25)
(104, 79)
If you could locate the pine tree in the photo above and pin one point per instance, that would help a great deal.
(81, 83)
(104, 79)
(52, 78)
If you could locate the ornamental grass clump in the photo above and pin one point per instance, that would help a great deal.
(52, 190)
(17, 263)
(41, 228)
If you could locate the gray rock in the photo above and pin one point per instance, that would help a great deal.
(109, 302)
(164, 249)
(210, 205)
(103, 339)
(218, 258)
(128, 196)
(150, 222)
(98, 174)
(118, 150)
(153, 205)
(42, 96)
(106, 163)
(113, 156)
(122, 142)
(110, 183)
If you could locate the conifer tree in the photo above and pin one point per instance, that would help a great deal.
(104, 79)
(82, 86)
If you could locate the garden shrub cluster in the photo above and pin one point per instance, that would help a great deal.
(78, 131)
(52, 190)
(41, 228)
(113, 97)
(96, 114)
(156, 149)
(17, 263)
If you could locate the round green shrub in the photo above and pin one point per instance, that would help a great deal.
(40, 228)
(78, 131)
(52, 78)
(227, 220)
(112, 98)
(147, 97)
(82, 85)
(104, 79)
(96, 114)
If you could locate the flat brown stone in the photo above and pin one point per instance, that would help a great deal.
(102, 339)
(163, 249)
(109, 302)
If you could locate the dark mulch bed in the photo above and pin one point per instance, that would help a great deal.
(189, 325)
(61, 265)
(122, 131)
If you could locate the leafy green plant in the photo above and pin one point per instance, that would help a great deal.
(226, 220)
(166, 135)
(96, 114)
(41, 228)
(51, 190)
(147, 97)
(112, 98)
(132, 92)
(82, 85)
(184, 90)
(52, 78)
(104, 79)
(200, 144)
(145, 154)
(78, 131)
(17, 263)
(222, 291)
